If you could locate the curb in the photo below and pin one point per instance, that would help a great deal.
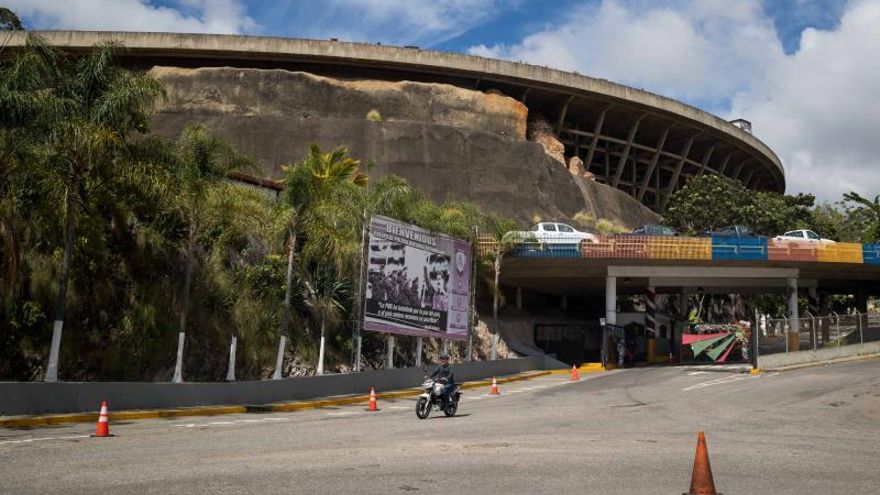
(584, 368)
(864, 357)
(56, 419)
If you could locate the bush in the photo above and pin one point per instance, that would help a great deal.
(374, 116)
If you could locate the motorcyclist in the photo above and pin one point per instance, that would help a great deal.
(443, 374)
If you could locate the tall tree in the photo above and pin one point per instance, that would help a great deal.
(872, 210)
(90, 109)
(202, 162)
(9, 21)
(496, 228)
(323, 202)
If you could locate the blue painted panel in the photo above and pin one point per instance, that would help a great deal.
(871, 253)
(547, 250)
(731, 249)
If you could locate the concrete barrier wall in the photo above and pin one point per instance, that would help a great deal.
(781, 360)
(49, 398)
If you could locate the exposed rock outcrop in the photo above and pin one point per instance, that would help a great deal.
(450, 142)
(541, 132)
(277, 93)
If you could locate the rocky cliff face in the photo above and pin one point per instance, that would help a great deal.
(450, 142)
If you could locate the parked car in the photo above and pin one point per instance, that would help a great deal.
(552, 232)
(803, 236)
(653, 229)
(734, 232)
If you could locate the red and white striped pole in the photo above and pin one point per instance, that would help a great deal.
(651, 310)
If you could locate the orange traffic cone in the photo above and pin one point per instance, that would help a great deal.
(701, 481)
(494, 390)
(103, 428)
(574, 374)
(373, 405)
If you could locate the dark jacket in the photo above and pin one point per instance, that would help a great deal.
(444, 372)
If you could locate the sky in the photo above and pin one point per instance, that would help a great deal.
(806, 73)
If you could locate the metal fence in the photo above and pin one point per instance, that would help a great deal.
(776, 335)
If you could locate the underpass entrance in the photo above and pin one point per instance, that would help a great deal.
(572, 344)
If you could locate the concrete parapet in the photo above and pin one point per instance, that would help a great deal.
(785, 360)
(19, 398)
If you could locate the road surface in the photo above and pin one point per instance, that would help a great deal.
(810, 431)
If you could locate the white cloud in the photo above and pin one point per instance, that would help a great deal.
(817, 108)
(698, 50)
(196, 16)
(418, 22)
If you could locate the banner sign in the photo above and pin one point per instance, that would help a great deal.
(418, 282)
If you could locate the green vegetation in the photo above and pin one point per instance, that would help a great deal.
(126, 239)
(708, 202)
(374, 116)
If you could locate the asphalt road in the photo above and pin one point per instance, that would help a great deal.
(811, 431)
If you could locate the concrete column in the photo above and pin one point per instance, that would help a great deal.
(279, 359)
(813, 298)
(444, 346)
(611, 300)
(419, 344)
(178, 365)
(651, 310)
(389, 361)
(793, 315)
(230, 371)
(861, 302)
(813, 304)
(519, 298)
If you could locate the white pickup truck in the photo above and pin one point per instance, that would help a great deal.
(803, 236)
(552, 233)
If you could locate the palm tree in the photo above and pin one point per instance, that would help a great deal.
(89, 108)
(495, 230)
(873, 208)
(324, 293)
(25, 97)
(321, 206)
(202, 162)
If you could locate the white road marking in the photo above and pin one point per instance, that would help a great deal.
(342, 413)
(692, 373)
(718, 381)
(228, 423)
(398, 407)
(30, 440)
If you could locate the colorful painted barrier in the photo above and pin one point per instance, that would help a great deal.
(690, 248)
(840, 252)
(779, 250)
(617, 247)
(679, 248)
(871, 254)
(733, 249)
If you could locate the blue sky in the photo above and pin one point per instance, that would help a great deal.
(805, 72)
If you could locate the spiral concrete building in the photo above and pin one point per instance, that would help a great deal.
(477, 118)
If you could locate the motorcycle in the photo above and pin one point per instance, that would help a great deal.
(431, 399)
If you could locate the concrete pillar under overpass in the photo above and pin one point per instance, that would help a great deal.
(611, 300)
(794, 322)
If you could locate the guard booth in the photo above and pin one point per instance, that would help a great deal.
(570, 343)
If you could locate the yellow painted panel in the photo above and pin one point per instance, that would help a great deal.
(679, 248)
(840, 252)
